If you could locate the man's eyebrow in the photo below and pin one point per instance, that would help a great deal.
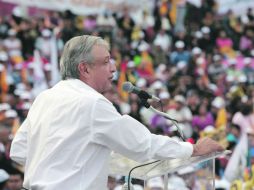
(107, 57)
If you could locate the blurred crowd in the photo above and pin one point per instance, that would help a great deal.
(200, 64)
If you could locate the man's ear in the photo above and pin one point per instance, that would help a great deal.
(83, 69)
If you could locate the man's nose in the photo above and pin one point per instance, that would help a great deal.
(113, 68)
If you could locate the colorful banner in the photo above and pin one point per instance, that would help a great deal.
(239, 7)
(85, 7)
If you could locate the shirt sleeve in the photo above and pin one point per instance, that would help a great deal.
(18, 150)
(127, 136)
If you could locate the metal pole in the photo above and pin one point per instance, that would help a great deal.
(166, 181)
(213, 168)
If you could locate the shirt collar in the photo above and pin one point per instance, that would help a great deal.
(80, 84)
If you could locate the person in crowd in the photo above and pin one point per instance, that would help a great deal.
(216, 68)
(225, 44)
(206, 43)
(182, 113)
(70, 130)
(180, 54)
(4, 176)
(203, 119)
(219, 112)
(246, 42)
(248, 70)
(15, 180)
(14, 47)
(163, 40)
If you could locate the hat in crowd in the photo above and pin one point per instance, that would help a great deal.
(242, 78)
(230, 78)
(31, 65)
(161, 67)
(130, 64)
(216, 57)
(233, 89)
(155, 182)
(244, 99)
(181, 64)
(11, 114)
(157, 85)
(200, 60)
(12, 32)
(5, 107)
(245, 19)
(209, 129)
(21, 86)
(46, 33)
(218, 102)
(1, 67)
(180, 99)
(26, 106)
(179, 44)
(247, 60)
(18, 11)
(25, 95)
(252, 52)
(141, 82)
(164, 95)
(196, 51)
(47, 67)
(157, 42)
(143, 47)
(17, 92)
(198, 34)
(4, 176)
(232, 61)
(125, 108)
(3, 56)
(205, 30)
(213, 87)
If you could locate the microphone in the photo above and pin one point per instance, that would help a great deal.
(130, 88)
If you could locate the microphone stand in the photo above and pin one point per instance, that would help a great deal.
(175, 122)
(165, 115)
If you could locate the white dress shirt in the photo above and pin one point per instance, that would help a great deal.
(66, 139)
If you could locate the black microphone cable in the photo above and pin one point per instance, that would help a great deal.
(129, 175)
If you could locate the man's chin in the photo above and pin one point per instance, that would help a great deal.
(107, 88)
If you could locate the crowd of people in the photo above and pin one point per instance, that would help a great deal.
(200, 64)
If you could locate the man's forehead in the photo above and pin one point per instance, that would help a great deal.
(101, 47)
(100, 51)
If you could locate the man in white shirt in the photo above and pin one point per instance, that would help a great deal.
(66, 139)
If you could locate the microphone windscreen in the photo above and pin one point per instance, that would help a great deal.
(127, 87)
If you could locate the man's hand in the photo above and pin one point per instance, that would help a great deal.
(206, 146)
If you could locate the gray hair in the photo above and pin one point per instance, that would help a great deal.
(76, 51)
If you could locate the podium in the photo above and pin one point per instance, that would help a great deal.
(120, 165)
